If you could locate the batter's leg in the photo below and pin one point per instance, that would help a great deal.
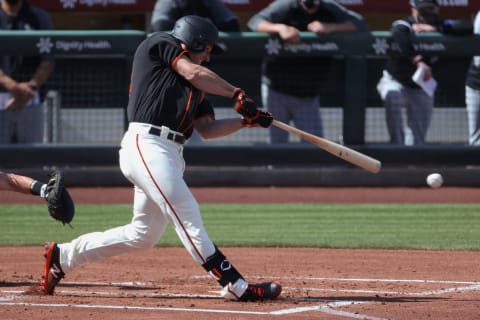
(160, 175)
(146, 228)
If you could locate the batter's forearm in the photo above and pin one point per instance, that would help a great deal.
(211, 129)
(208, 81)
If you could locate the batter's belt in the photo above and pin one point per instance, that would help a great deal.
(162, 132)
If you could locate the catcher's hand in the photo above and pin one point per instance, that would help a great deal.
(60, 204)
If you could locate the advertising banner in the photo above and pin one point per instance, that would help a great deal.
(362, 6)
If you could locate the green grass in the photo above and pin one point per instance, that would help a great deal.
(417, 226)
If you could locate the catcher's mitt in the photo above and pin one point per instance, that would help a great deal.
(60, 204)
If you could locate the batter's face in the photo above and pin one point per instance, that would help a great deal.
(202, 57)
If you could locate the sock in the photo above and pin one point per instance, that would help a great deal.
(221, 269)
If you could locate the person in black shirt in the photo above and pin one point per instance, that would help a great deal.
(21, 107)
(166, 12)
(167, 101)
(472, 94)
(396, 87)
(291, 85)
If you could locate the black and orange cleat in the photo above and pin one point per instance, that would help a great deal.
(261, 291)
(52, 271)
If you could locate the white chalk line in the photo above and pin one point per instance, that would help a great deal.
(99, 306)
(328, 308)
(355, 279)
(111, 294)
(124, 284)
(475, 287)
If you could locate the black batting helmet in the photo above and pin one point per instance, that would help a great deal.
(195, 32)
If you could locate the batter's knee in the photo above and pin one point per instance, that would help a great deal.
(143, 237)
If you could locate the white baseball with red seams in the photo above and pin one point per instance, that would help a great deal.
(435, 180)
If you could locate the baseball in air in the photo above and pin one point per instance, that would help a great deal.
(435, 180)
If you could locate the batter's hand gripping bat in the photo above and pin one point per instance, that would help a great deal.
(359, 159)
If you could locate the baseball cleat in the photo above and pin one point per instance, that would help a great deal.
(261, 291)
(52, 272)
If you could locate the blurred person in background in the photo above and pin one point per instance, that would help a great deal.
(21, 107)
(396, 88)
(166, 12)
(472, 94)
(290, 86)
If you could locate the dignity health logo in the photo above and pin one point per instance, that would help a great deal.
(275, 46)
(45, 45)
(70, 4)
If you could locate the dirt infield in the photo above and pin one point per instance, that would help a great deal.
(278, 195)
(165, 283)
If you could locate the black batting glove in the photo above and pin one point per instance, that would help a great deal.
(244, 104)
(261, 118)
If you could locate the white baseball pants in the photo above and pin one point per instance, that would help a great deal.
(155, 166)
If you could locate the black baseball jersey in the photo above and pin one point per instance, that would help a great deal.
(400, 64)
(303, 76)
(21, 68)
(159, 95)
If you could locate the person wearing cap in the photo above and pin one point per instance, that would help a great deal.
(290, 85)
(396, 87)
(167, 101)
(166, 12)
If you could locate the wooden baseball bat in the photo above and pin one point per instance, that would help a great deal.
(359, 159)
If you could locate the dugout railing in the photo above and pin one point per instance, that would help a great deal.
(87, 95)
(92, 75)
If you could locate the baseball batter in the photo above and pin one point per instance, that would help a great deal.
(167, 101)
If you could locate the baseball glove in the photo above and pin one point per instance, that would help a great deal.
(60, 204)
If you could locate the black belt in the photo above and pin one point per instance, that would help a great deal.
(178, 138)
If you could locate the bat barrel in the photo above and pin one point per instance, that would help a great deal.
(357, 158)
